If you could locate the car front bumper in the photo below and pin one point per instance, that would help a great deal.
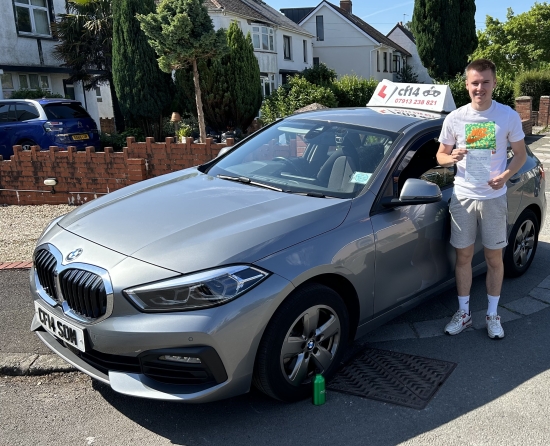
(120, 348)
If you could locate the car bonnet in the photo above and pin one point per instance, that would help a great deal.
(192, 221)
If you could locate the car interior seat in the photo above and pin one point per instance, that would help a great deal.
(336, 172)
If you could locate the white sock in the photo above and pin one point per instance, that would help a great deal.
(464, 303)
(492, 305)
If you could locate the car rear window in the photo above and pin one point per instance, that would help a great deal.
(65, 111)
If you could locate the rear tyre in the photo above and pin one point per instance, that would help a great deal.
(522, 244)
(27, 144)
(306, 336)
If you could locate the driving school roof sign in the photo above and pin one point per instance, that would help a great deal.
(436, 98)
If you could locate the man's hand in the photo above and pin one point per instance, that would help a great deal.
(499, 181)
(447, 157)
(458, 154)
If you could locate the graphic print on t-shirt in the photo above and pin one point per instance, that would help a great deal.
(481, 135)
(481, 143)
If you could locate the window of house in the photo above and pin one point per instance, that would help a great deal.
(34, 82)
(98, 94)
(262, 38)
(385, 56)
(7, 85)
(377, 60)
(305, 51)
(396, 64)
(320, 27)
(32, 17)
(268, 84)
(389, 61)
(315, 61)
(287, 42)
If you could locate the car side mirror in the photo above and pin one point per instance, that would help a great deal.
(415, 191)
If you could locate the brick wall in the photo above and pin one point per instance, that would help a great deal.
(524, 106)
(544, 111)
(83, 176)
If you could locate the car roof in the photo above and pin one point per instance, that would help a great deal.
(42, 100)
(384, 118)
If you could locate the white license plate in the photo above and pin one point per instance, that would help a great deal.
(59, 328)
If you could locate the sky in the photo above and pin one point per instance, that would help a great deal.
(384, 15)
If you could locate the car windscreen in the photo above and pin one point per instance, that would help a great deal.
(65, 111)
(308, 156)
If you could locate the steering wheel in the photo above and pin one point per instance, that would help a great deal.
(289, 164)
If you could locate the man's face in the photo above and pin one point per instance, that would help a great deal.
(480, 86)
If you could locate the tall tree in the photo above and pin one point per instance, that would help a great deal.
(445, 35)
(231, 87)
(181, 33)
(85, 35)
(145, 92)
(520, 43)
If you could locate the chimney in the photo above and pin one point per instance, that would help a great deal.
(346, 5)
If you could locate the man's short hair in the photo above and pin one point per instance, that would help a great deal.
(481, 65)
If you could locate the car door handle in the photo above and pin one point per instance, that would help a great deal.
(515, 179)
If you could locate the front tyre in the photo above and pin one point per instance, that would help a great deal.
(306, 336)
(522, 244)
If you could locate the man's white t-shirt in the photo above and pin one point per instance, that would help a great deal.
(490, 129)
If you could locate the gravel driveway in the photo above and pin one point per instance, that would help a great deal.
(20, 227)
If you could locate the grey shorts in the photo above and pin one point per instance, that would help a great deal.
(491, 216)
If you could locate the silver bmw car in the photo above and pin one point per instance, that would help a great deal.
(261, 266)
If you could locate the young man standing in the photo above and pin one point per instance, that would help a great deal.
(475, 138)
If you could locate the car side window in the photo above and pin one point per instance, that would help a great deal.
(423, 164)
(26, 112)
(7, 112)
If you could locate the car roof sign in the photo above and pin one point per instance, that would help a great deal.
(428, 97)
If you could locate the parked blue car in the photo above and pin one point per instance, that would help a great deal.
(45, 122)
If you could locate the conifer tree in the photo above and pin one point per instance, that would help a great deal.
(181, 33)
(445, 35)
(230, 86)
(144, 91)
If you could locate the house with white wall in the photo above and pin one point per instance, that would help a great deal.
(405, 39)
(281, 46)
(348, 44)
(26, 52)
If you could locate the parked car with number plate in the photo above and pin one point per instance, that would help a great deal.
(45, 123)
(261, 266)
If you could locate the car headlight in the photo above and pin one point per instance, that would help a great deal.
(196, 291)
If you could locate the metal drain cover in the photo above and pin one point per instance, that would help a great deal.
(392, 377)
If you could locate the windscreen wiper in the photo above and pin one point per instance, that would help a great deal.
(246, 180)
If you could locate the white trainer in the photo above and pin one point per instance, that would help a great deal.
(494, 329)
(460, 321)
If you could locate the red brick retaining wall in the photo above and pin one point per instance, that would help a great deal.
(83, 176)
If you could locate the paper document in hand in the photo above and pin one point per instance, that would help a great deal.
(478, 166)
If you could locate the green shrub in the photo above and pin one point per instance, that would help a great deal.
(24, 93)
(406, 75)
(534, 84)
(504, 91)
(353, 91)
(458, 88)
(296, 94)
(319, 75)
(118, 140)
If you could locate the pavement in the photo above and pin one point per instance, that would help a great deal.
(21, 353)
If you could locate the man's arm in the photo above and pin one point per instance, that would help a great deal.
(520, 156)
(447, 157)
